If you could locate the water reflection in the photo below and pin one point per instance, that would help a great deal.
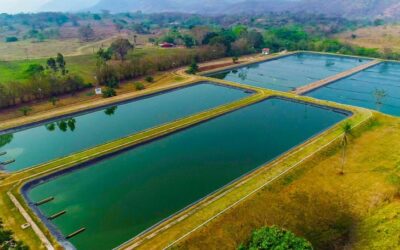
(110, 111)
(62, 125)
(6, 139)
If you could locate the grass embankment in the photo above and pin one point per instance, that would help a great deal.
(359, 209)
(13, 219)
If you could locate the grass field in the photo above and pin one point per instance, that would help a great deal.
(358, 210)
(380, 37)
(83, 65)
(30, 49)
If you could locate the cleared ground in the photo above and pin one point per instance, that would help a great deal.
(380, 37)
(30, 49)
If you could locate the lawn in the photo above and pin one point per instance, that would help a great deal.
(358, 210)
(83, 65)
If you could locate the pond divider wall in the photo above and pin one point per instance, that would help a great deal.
(329, 80)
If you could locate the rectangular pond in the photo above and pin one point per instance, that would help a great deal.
(289, 72)
(37, 144)
(118, 197)
(361, 89)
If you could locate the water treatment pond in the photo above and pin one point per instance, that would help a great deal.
(287, 73)
(121, 196)
(39, 144)
(361, 89)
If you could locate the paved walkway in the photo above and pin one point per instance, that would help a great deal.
(318, 84)
(28, 218)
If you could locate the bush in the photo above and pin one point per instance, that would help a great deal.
(275, 238)
(109, 92)
(235, 59)
(11, 39)
(25, 110)
(149, 79)
(139, 86)
(193, 68)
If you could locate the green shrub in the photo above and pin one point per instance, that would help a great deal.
(139, 86)
(149, 79)
(275, 238)
(11, 39)
(25, 110)
(109, 92)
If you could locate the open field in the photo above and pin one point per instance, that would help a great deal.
(29, 49)
(380, 37)
(359, 209)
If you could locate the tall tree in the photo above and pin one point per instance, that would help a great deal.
(86, 33)
(52, 64)
(121, 47)
(61, 63)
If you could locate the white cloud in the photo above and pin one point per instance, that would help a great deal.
(16, 6)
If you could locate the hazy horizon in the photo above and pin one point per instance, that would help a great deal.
(19, 6)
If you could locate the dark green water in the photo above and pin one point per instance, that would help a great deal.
(43, 143)
(360, 89)
(120, 197)
(289, 72)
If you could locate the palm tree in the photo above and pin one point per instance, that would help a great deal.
(346, 130)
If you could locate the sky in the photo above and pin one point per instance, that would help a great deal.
(16, 6)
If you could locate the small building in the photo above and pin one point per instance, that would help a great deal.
(166, 45)
(266, 51)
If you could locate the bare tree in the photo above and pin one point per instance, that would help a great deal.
(379, 95)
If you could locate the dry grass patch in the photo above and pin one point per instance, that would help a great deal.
(380, 37)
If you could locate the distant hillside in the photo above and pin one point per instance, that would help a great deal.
(345, 8)
(68, 6)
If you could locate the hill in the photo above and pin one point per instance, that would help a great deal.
(388, 9)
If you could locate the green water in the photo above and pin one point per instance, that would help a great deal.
(360, 89)
(43, 143)
(120, 197)
(287, 73)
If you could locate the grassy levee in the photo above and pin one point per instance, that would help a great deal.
(13, 182)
